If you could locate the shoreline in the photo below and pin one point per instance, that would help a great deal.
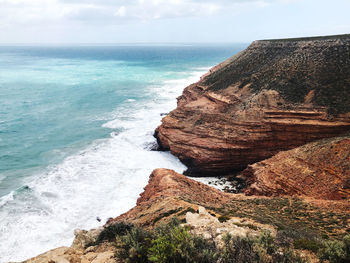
(173, 84)
(292, 150)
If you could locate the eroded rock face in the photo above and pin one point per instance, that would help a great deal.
(170, 194)
(83, 237)
(320, 169)
(273, 96)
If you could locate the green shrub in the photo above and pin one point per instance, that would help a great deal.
(267, 242)
(307, 244)
(178, 245)
(174, 243)
(110, 232)
(170, 246)
(336, 251)
(287, 255)
(238, 250)
(133, 247)
(256, 250)
(169, 243)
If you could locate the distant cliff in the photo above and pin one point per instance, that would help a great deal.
(273, 96)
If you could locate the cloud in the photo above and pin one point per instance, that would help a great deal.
(33, 12)
(141, 10)
(28, 12)
(145, 10)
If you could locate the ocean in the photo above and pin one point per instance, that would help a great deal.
(76, 133)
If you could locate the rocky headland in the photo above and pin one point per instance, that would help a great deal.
(276, 115)
(273, 96)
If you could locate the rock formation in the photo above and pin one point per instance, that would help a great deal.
(320, 169)
(169, 194)
(210, 213)
(80, 251)
(273, 96)
(103, 254)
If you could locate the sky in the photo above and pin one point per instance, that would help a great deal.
(168, 21)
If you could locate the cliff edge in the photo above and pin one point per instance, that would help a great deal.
(273, 96)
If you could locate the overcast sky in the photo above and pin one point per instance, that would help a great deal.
(145, 21)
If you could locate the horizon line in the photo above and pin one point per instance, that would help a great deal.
(122, 43)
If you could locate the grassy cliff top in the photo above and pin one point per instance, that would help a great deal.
(332, 37)
(294, 70)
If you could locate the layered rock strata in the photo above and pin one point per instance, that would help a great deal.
(320, 169)
(273, 96)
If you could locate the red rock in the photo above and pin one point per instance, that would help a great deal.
(169, 194)
(320, 170)
(273, 96)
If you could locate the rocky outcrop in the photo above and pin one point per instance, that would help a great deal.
(83, 238)
(209, 212)
(208, 226)
(104, 254)
(170, 194)
(320, 169)
(81, 251)
(273, 96)
(212, 212)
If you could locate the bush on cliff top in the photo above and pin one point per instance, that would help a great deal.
(133, 247)
(336, 251)
(166, 244)
(110, 232)
(174, 243)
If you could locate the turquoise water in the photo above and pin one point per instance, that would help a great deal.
(76, 128)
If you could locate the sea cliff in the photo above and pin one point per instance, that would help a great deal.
(277, 115)
(273, 96)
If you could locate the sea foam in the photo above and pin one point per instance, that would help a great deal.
(103, 180)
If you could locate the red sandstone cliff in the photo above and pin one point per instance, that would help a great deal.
(273, 96)
(320, 169)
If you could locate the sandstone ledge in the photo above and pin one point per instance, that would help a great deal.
(271, 97)
(320, 170)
